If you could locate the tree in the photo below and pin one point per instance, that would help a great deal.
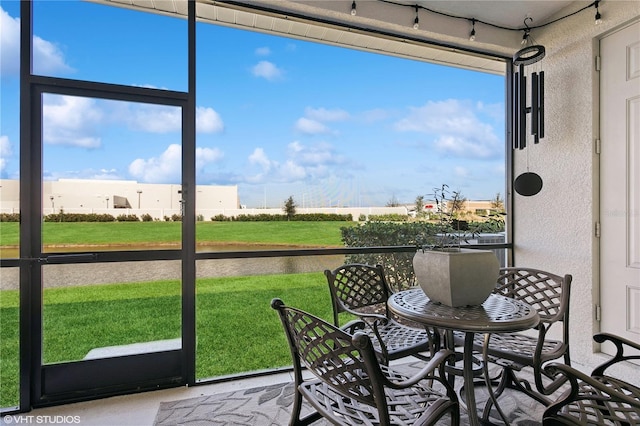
(289, 207)
(497, 203)
(393, 202)
(419, 205)
(458, 202)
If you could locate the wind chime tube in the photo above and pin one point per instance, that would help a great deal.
(515, 120)
(522, 108)
(534, 107)
(541, 105)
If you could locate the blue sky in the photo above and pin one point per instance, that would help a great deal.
(275, 116)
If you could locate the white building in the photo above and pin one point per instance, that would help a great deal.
(118, 197)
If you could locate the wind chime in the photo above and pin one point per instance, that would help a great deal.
(528, 183)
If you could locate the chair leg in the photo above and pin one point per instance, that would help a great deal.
(296, 420)
(510, 380)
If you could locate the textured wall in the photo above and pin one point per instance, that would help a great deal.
(554, 230)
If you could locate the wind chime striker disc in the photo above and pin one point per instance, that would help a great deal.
(528, 184)
(529, 55)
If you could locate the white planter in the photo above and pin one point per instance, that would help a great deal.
(456, 278)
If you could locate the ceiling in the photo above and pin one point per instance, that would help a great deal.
(505, 13)
(385, 26)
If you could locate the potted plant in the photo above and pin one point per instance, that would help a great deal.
(447, 272)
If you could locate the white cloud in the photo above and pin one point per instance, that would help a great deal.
(5, 152)
(495, 111)
(263, 51)
(9, 44)
(47, 57)
(205, 156)
(166, 119)
(154, 118)
(461, 172)
(322, 114)
(163, 169)
(267, 70)
(374, 115)
(456, 128)
(314, 118)
(167, 167)
(71, 120)
(311, 127)
(311, 155)
(302, 162)
(208, 120)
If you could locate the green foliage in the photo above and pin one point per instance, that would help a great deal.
(146, 217)
(393, 202)
(390, 217)
(127, 218)
(497, 204)
(420, 206)
(398, 265)
(289, 207)
(306, 217)
(261, 217)
(79, 217)
(9, 217)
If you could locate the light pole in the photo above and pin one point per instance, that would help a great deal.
(52, 204)
(139, 192)
(107, 198)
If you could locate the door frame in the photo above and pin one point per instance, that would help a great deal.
(601, 282)
(40, 384)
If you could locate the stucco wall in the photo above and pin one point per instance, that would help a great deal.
(554, 230)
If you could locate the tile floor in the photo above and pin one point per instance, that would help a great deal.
(130, 410)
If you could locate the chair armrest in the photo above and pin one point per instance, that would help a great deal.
(620, 343)
(437, 361)
(574, 376)
(354, 325)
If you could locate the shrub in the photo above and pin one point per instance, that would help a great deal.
(9, 217)
(391, 217)
(307, 217)
(78, 217)
(127, 218)
(398, 265)
(147, 217)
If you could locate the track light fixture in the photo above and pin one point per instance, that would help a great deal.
(526, 37)
(598, 16)
(353, 8)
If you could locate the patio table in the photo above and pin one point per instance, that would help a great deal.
(498, 314)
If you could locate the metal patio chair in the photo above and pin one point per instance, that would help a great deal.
(600, 398)
(351, 387)
(549, 294)
(362, 290)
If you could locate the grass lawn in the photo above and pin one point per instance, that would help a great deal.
(317, 234)
(237, 330)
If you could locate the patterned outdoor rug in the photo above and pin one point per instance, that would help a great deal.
(271, 405)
